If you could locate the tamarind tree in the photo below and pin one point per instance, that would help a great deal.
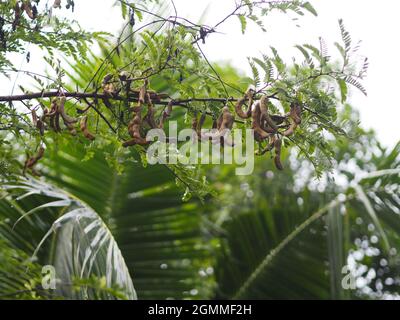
(90, 113)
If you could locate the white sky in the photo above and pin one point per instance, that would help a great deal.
(370, 21)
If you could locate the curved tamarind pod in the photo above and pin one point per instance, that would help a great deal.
(277, 158)
(85, 129)
(265, 115)
(259, 133)
(295, 115)
(239, 110)
(64, 115)
(134, 128)
(30, 162)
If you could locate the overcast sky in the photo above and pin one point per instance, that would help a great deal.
(373, 22)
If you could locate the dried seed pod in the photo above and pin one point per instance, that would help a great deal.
(166, 114)
(85, 129)
(17, 16)
(142, 92)
(32, 161)
(134, 128)
(34, 118)
(150, 113)
(295, 115)
(57, 4)
(200, 125)
(64, 115)
(239, 107)
(265, 115)
(277, 158)
(225, 124)
(27, 7)
(259, 133)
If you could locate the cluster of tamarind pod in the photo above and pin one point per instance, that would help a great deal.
(26, 6)
(266, 126)
(51, 118)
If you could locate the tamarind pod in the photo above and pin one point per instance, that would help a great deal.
(225, 120)
(265, 115)
(27, 7)
(85, 130)
(277, 158)
(134, 141)
(295, 113)
(259, 133)
(30, 162)
(200, 125)
(57, 4)
(64, 115)
(34, 118)
(290, 130)
(142, 93)
(166, 114)
(57, 122)
(150, 113)
(17, 16)
(239, 111)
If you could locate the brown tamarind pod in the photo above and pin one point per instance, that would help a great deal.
(17, 16)
(265, 115)
(150, 113)
(32, 161)
(239, 104)
(64, 115)
(57, 122)
(200, 125)
(226, 119)
(57, 4)
(85, 129)
(259, 133)
(166, 114)
(225, 125)
(295, 113)
(277, 158)
(27, 7)
(142, 92)
(134, 128)
(34, 118)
